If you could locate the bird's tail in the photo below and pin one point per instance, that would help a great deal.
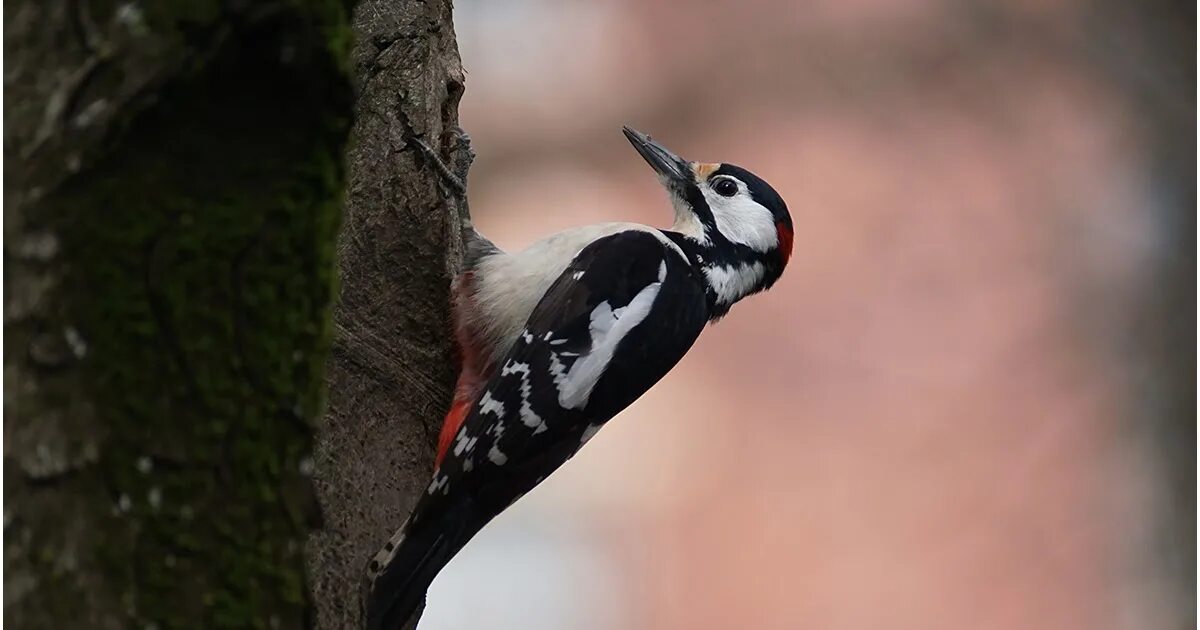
(400, 574)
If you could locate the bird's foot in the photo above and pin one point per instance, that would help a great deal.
(453, 175)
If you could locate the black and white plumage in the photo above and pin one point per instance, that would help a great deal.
(559, 338)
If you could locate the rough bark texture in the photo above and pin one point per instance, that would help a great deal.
(392, 368)
(173, 188)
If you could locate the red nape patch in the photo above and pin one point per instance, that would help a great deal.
(785, 241)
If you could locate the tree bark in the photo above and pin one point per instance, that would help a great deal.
(173, 194)
(392, 369)
(173, 190)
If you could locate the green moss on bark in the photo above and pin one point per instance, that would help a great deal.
(197, 271)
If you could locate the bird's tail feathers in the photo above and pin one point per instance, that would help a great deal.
(402, 573)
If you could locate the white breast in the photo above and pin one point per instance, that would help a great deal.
(509, 286)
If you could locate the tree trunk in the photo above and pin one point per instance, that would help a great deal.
(392, 369)
(173, 190)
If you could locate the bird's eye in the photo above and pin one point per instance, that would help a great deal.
(725, 187)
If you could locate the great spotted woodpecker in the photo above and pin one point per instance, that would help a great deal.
(559, 338)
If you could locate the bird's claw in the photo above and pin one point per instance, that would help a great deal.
(454, 177)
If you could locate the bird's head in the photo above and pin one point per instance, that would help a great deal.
(733, 224)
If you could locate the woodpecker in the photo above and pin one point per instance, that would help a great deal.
(557, 339)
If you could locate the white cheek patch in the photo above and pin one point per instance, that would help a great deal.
(742, 220)
(607, 329)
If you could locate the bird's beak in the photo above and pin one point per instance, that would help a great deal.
(672, 169)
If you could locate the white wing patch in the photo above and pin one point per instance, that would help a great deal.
(509, 285)
(528, 415)
(602, 319)
(464, 444)
(487, 404)
(557, 370)
(440, 482)
(607, 328)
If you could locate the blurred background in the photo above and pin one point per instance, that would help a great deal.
(970, 401)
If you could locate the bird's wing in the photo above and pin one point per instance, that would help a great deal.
(615, 321)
